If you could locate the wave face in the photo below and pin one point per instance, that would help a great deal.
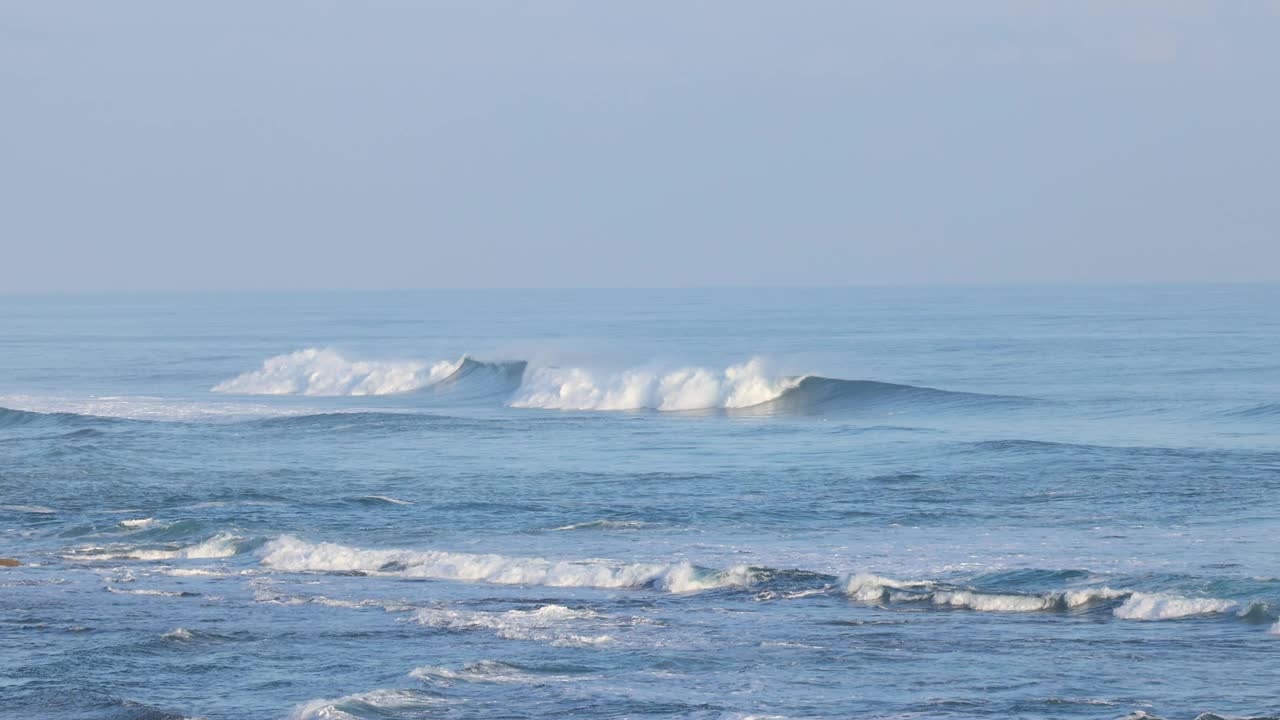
(325, 372)
(815, 395)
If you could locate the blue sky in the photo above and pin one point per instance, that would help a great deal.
(162, 145)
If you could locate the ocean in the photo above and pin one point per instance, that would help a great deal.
(743, 503)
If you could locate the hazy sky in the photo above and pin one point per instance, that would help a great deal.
(158, 144)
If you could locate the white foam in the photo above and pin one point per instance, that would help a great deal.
(1275, 629)
(178, 634)
(138, 523)
(386, 499)
(1078, 598)
(549, 623)
(683, 389)
(1162, 606)
(289, 553)
(321, 371)
(984, 602)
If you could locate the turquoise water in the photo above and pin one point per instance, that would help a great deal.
(1046, 503)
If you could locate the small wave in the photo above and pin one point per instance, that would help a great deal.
(289, 553)
(872, 588)
(385, 703)
(554, 624)
(601, 525)
(319, 371)
(381, 500)
(221, 545)
(1264, 410)
(493, 671)
(149, 592)
(29, 509)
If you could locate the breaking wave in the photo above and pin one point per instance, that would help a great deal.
(555, 624)
(316, 371)
(750, 388)
(289, 553)
(737, 386)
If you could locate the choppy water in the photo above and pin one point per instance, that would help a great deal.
(1056, 503)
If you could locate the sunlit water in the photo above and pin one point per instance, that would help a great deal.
(1050, 503)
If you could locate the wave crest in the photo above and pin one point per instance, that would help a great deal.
(325, 372)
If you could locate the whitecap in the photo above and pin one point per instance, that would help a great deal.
(549, 623)
(1162, 606)
(322, 371)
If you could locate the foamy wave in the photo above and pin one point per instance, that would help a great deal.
(873, 588)
(1162, 606)
(549, 623)
(318, 371)
(375, 703)
(1275, 629)
(486, 671)
(685, 389)
(180, 634)
(292, 554)
(219, 546)
(138, 523)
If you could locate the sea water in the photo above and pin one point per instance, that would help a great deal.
(871, 503)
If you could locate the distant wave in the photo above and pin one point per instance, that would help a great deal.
(1264, 410)
(750, 388)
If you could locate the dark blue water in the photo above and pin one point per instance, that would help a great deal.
(1046, 503)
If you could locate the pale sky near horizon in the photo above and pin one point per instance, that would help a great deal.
(169, 145)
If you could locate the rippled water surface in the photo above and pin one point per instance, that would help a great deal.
(1045, 503)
